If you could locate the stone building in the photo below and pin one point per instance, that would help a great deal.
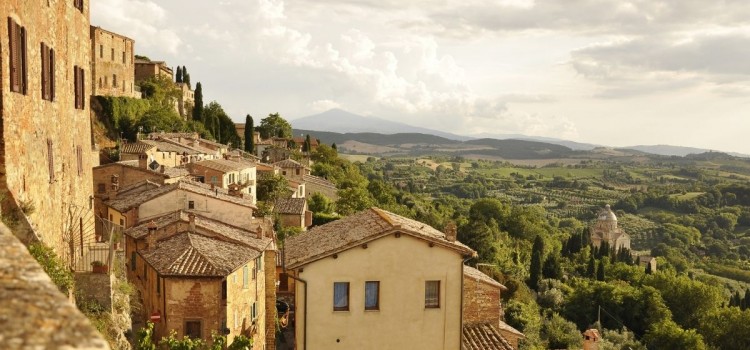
(483, 326)
(605, 230)
(201, 275)
(46, 148)
(316, 184)
(146, 69)
(376, 280)
(112, 64)
(238, 177)
(292, 212)
(186, 101)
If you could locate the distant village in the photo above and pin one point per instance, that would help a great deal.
(179, 213)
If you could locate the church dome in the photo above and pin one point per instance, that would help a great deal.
(607, 214)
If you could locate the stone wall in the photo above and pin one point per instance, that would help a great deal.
(482, 302)
(46, 144)
(35, 314)
(112, 64)
(269, 268)
(96, 287)
(240, 299)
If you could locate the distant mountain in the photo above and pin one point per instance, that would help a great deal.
(576, 146)
(328, 137)
(341, 121)
(669, 150)
(521, 149)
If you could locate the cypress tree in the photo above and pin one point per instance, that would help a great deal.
(600, 271)
(306, 144)
(535, 271)
(551, 268)
(746, 300)
(198, 108)
(334, 146)
(249, 130)
(648, 269)
(186, 77)
(591, 267)
(178, 75)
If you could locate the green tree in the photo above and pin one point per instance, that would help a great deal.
(591, 267)
(535, 270)
(186, 77)
(600, 271)
(552, 268)
(178, 75)
(220, 124)
(271, 187)
(560, 333)
(481, 237)
(668, 335)
(306, 146)
(352, 200)
(726, 328)
(53, 266)
(679, 291)
(145, 338)
(274, 126)
(333, 145)
(319, 203)
(172, 342)
(198, 108)
(249, 131)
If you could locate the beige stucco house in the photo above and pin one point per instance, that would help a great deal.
(225, 173)
(377, 280)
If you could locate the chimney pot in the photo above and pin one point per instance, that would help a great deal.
(260, 232)
(191, 217)
(161, 169)
(143, 161)
(450, 232)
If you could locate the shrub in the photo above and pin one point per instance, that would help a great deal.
(53, 266)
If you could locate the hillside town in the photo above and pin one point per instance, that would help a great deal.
(179, 215)
(137, 216)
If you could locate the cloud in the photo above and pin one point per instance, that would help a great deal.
(142, 20)
(323, 105)
(656, 63)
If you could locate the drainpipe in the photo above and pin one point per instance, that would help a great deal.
(461, 326)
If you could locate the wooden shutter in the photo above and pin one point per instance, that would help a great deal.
(43, 53)
(24, 81)
(51, 74)
(13, 47)
(50, 161)
(75, 86)
(82, 81)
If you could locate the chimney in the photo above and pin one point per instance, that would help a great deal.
(161, 169)
(191, 217)
(143, 161)
(450, 231)
(151, 237)
(260, 232)
(114, 186)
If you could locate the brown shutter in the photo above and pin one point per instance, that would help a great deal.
(43, 53)
(13, 47)
(82, 80)
(51, 74)
(75, 86)
(24, 81)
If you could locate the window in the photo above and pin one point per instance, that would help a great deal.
(224, 290)
(244, 276)
(191, 204)
(341, 296)
(48, 73)
(79, 160)
(297, 171)
(132, 261)
(432, 294)
(50, 161)
(254, 311)
(193, 329)
(101, 51)
(123, 57)
(255, 270)
(113, 54)
(145, 275)
(17, 40)
(79, 88)
(78, 4)
(100, 82)
(214, 180)
(372, 295)
(101, 188)
(114, 80)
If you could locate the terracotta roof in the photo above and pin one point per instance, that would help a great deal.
(173, 172)
(224, 165)
(133, 164)
(204, 225)
(136, 147)
(318, 181)
(359, 228)
(265, 167)
(190, 254)
(173, 135)
(290, 206)
(289, 163)
(483, 336)
(127, 202)
(164, 145)
(480, 276)
(138, 187)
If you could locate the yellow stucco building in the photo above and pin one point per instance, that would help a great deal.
(377, 280)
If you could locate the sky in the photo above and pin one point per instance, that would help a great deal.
(616, 73)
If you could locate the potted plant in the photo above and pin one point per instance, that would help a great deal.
(98, 267)
(116, 238)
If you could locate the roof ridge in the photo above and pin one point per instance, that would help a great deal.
(383, 216)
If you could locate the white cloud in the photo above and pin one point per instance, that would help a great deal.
(323, 105)
(142, 20)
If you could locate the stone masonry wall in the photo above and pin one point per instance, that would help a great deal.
(112, 64)
(37, 133)
(482, 302)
